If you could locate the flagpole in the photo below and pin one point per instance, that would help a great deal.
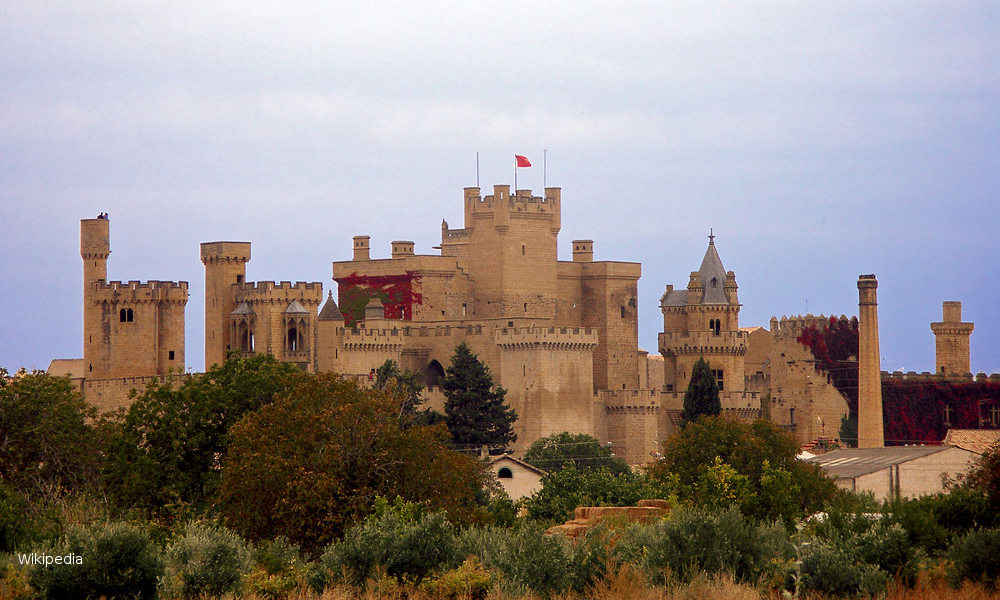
(477, 169)
(545, 153)
(515, 174)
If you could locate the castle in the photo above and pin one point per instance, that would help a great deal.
(560, 336)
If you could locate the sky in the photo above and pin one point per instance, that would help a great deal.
(818, 140)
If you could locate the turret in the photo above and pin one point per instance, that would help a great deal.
(401, 248)
(95, 247)
(225, 265)
(951, 341)
(583, 250)
(361, 247)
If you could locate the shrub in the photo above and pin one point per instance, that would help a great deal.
(873, 539)
(13, 524)
(470, 580)
(563, 490)
(830, 569)
(118, 560)
(523, 554)
(14, 580)
(205, 559)
(400, 538)
(277, 569)
(694, 541)
(976, 556)
(932, 522)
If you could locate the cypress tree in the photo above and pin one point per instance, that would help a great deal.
(702, 396)
(474, 407)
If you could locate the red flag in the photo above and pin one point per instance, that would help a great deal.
(522, 161)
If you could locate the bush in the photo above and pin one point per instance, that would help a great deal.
(469, 581)
(563, 490)
(277, 570)
(873, 539)
(524, 555)
(694, 541)
(976, 556)
(400, 539)
(205, 559)
(119, 560)
(14, 580)
(13, 524)
(932, 522)
(832, 570)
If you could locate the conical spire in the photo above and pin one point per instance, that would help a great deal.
(713, 275)
(330, 312)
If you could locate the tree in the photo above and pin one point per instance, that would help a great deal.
(475, 408)
(405, 384)
(311, 464)
(579, 449)
(169, 447)
(702, 396)
(46, 443)
(715, 460)
(563, 490)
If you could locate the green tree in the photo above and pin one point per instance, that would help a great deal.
(475, 408)
(46, 443)
(169, 447)
(404, 384)
(582, 450)
(702, 396)
(563, 490)
(754, 464)
(311, 464)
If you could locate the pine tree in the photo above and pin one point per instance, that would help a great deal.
(702, 396)
(475, 408)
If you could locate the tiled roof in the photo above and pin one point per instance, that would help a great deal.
(974, 440)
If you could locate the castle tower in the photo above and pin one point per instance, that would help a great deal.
(225, 265)
(703, 322)
(509, 246)
(951, 341)
(95, 247)
(870, 431)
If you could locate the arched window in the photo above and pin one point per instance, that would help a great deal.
(715, 282)
(505, 473)
(433, 374)
(129, 316)
(523, 249)
(293, 339)
(121, 316)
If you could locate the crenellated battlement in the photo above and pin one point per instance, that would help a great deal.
(561, 338)
(139, 291)
(285, 291)
(793, 326)
(521, 201)
(701, 342)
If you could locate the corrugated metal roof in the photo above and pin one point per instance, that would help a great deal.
(853, 462)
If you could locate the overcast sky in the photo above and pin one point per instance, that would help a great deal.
(820, 140)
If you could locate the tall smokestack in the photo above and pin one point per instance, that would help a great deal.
(870, 431)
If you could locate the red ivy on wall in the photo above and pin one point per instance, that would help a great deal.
(395, 292)
(913, 411)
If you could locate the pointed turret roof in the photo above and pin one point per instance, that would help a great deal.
(296, 309)
(243, 309)
(713, 276)
(330, 312)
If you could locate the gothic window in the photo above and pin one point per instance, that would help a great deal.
(293, 339)
(505, 473)
(121, 315)
(129, 315)
(715, 282)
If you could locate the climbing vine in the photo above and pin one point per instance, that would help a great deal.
(913, 411)
(394, 291)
